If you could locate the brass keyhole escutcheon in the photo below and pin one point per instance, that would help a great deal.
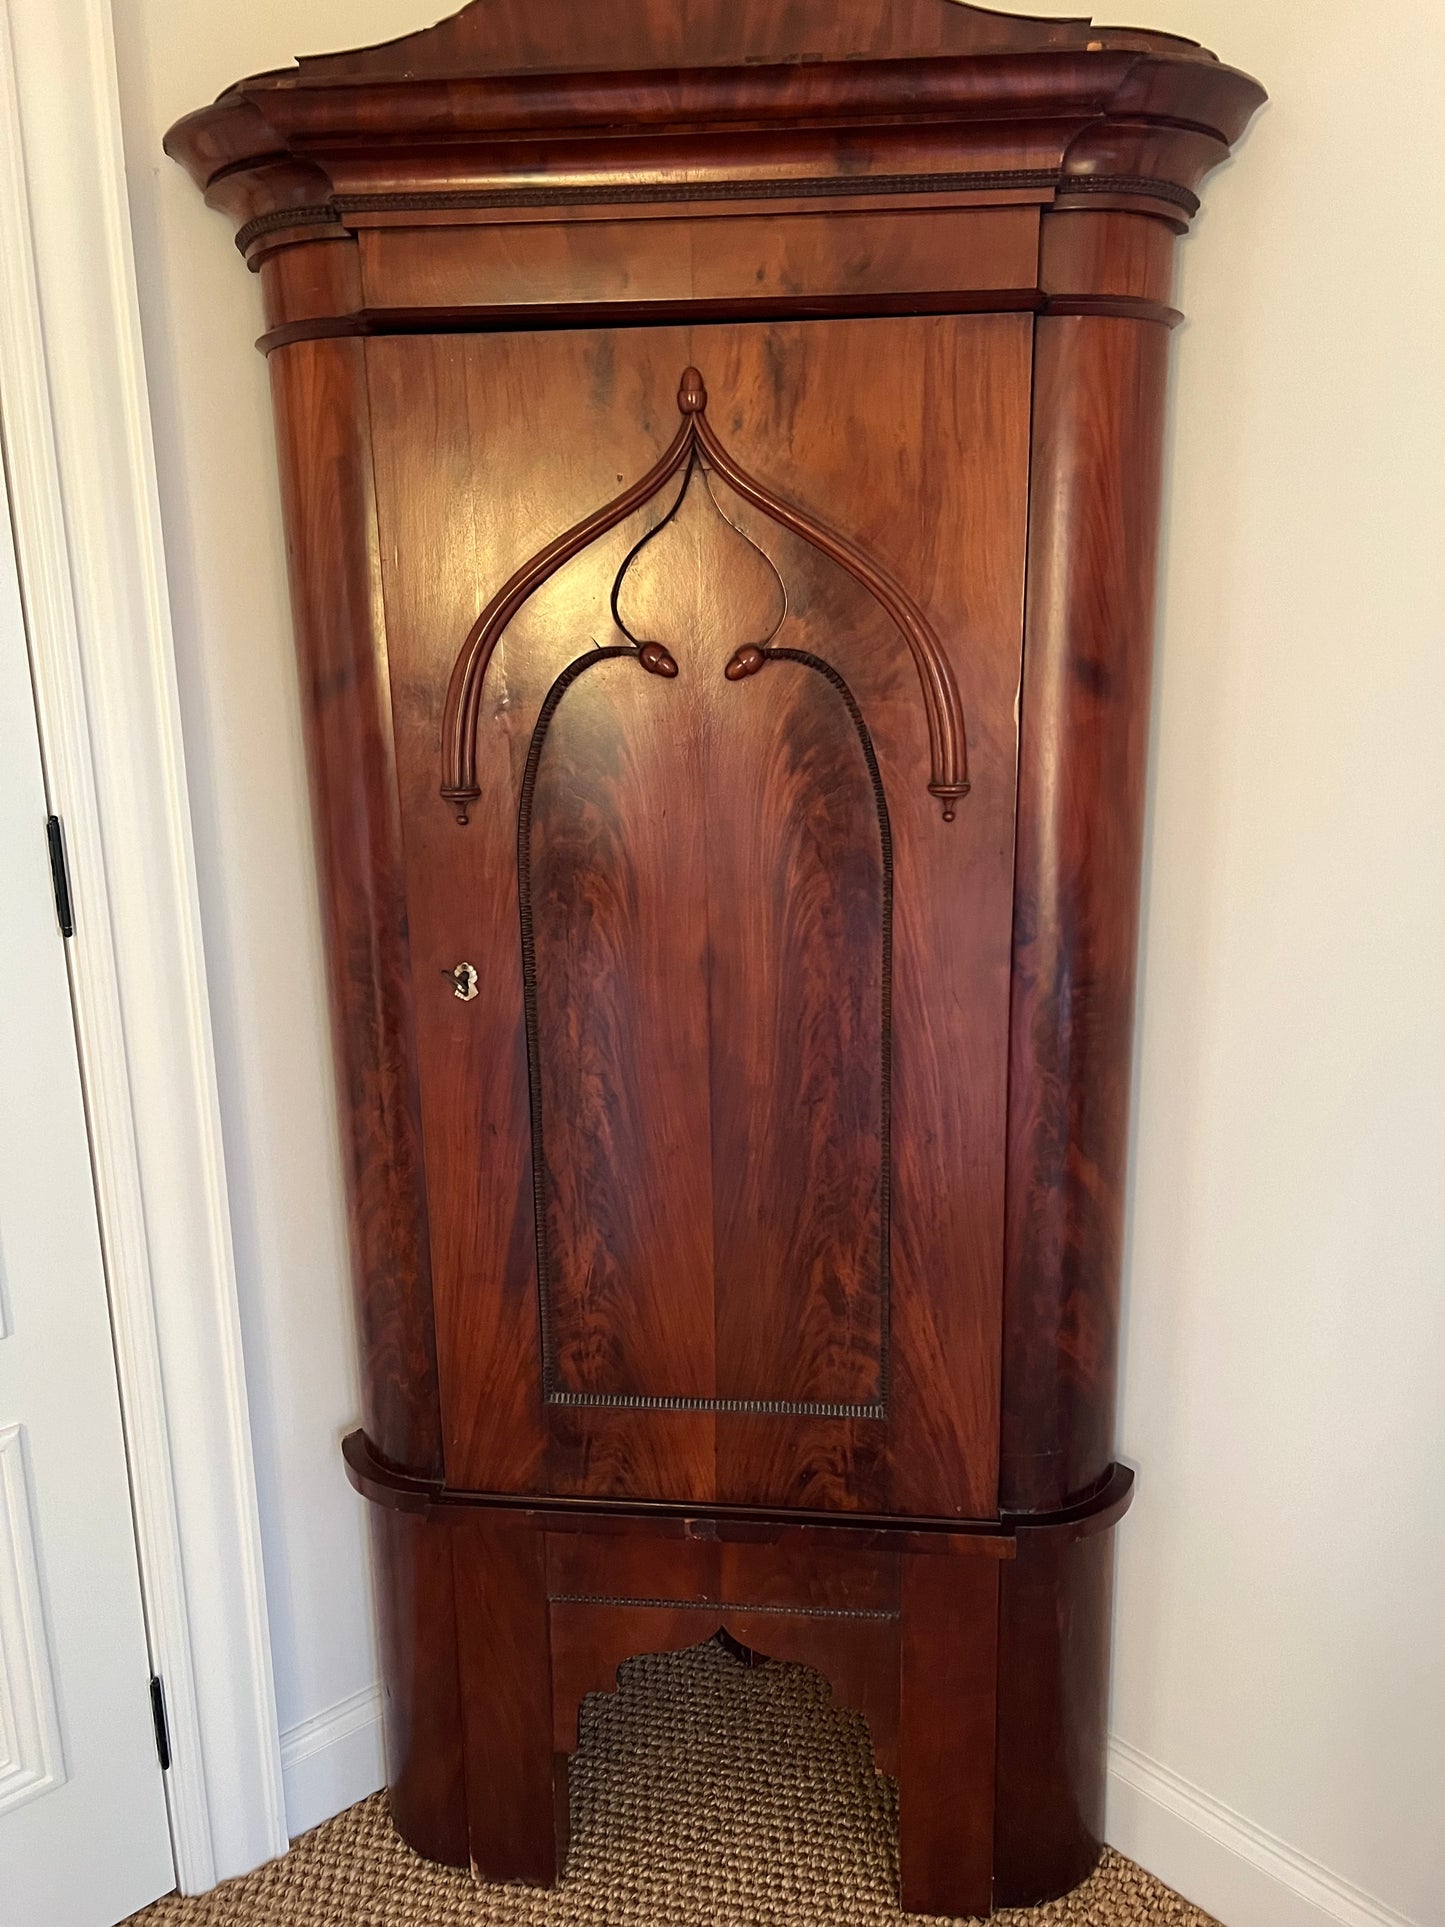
(463, 980)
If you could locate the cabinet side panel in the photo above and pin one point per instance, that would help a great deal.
(416, 1614)
(516, 1789)
(1094, 519)
(323, 432)
(947, 1719)
(1053, 1714)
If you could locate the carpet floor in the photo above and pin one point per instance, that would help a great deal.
(705, 1794)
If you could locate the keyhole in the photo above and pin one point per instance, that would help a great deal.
(463, 981)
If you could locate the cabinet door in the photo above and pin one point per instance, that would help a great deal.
(712, 984)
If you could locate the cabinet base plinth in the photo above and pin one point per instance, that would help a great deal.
(978, 1655)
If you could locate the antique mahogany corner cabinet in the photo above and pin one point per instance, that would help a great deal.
(720, 442)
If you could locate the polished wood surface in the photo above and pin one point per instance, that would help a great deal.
(1053, 1714)
(540, 36)
(699, 108)
(946, 1736)
(526, 271)
(326, 485)
(721, 445)
(836, 1609)
(619, 1518)
(907, 1633)
(416, 1623)
(745, 1258)
(759, 592)
(1098, 445)
(515, 1803)
(957, 403)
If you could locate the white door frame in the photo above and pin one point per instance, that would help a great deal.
(79, 455)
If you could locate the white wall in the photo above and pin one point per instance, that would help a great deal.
(1280, 1686)
(241, 716)
(1282, 1578)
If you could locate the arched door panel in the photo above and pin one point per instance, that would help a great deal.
(724, 686)
(705, 908)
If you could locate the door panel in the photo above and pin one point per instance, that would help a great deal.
(705, 1001)
(742, 989)
(614, 887)
(799, 881)
(84, 1838)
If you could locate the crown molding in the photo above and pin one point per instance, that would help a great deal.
(450, 122)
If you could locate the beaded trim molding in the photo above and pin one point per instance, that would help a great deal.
(757, 1407)
(833, 187)
(876, 1613)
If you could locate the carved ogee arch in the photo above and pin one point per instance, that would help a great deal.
(943, 706)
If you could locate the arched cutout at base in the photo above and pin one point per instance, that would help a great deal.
(856, 1658)
(499, 1618)
(696, 1771)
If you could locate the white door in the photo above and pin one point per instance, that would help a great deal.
(83, 1833)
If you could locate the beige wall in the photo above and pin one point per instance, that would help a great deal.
(1282, 1582)
(1280, 1690)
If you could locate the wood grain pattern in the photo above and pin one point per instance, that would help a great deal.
(613, 848)
(808, 1578)
(467, 682)
(1098, 255)
(1053, 1713)
(697, 440)
(416, 1617)
(1098, 447)
(871, 104)
(1059, 114)
(946, 1736)
(947, 732)
(527, 263)
(821, 1531)
(516, 1808)
(761, 1276)
(965, 380)
(800, 880)
(709, 1048)
(323, 429)
(550, 35)
(907, 1635)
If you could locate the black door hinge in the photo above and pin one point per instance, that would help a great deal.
(162, 1724)
(60, 875)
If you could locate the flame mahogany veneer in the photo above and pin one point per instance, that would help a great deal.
(720, 442)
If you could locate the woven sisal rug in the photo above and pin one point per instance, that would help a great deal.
(705, 1794)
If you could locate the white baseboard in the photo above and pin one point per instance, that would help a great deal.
(1201, 1848)
(330, 1762)
(1222, 1862)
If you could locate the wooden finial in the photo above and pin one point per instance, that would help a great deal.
(692, 395)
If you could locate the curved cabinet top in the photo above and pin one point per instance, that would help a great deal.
(687, 100)
(562, 36)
